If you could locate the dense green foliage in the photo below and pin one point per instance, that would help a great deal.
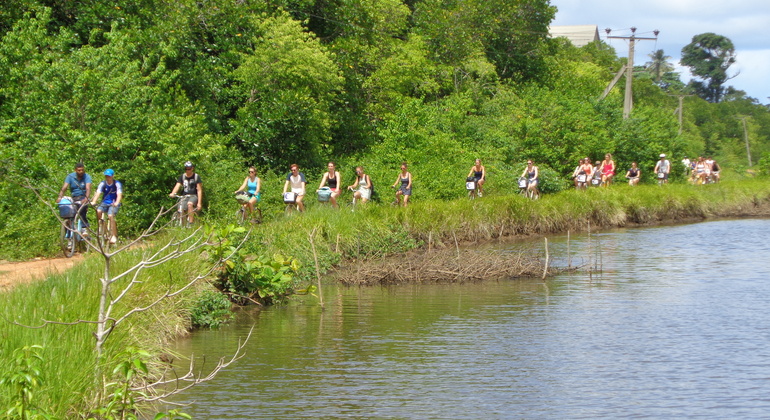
(141, 88)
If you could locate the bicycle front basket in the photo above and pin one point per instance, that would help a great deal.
(66, 208)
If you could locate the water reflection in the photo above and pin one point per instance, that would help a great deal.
(674, 325)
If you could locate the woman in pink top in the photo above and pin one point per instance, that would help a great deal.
(608, 169)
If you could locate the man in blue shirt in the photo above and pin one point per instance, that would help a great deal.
(79, 183)
(113, 196)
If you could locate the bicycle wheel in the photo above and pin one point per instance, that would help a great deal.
(71, 240)
(101, 232)
(240, 215)
(65, 237)
(471, 194)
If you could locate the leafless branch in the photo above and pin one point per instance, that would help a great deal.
(191, 377)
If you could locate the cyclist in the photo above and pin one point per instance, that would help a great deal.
(79, 183)
(633, 174)
(192, 189)
(479, 174)
(296, 180)
(252, 185)
(663, 168)
(608, 170)
(405, 191)
(113, 196)
(701, 170)
(364, 184)
(532, 174)
(715, 171)
(576, 172)
(332, 179)
(596, 178)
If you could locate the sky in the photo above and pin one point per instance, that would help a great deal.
(745, 22)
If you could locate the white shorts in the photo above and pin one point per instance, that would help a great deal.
(366, 193)
(299, 191)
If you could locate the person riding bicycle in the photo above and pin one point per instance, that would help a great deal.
(252, 185)
(608, 170)
(479, 174)
(663, 168)
(532, 173)
(296, 180)
(405, 191)
(633, 174)
(192, 188)
(715, 171)
(577, 172)
(596, 177)
(331, 179)
(79, 183)
(363, 183)
(113, 196)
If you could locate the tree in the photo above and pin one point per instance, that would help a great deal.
(659, 65)
(709, 56)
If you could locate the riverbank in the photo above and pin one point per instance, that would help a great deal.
(377, 231)
(366, 235)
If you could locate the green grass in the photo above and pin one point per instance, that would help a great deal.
(69, 363)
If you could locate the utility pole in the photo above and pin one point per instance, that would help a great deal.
(629, 70)
(746, 139)
(680, 110)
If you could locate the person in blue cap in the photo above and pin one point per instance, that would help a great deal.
(113, 197)
(79, 183)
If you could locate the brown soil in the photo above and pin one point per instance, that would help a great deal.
(13, 273)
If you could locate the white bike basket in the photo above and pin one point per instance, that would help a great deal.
(290, 197)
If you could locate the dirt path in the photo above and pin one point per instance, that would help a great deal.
(12, 273)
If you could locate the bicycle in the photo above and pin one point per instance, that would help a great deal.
(180, 216)
(70, 236)
(582, 183)
(661, 178)
(472, 187)
(103, 233)
(525, 190)
(290, 198)
(240, 214)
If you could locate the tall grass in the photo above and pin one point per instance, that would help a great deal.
(70, 365)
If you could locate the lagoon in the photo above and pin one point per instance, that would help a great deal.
(672, 323)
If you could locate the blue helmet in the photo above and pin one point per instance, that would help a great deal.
(109, 172)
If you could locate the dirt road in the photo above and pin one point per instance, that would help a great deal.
(12, 273)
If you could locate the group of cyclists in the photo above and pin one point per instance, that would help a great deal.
(189, 186)
(79, 184)
(703, 170)
(599, 174)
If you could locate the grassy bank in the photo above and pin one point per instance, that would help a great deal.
(370, 232)
(68, 359)
(377, 230)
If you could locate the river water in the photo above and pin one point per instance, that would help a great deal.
(675, 324)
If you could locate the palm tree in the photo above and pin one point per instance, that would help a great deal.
(659, 65)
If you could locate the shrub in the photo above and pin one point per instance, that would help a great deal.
(211, 310)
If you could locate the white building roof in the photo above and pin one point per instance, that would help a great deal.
(579, 35)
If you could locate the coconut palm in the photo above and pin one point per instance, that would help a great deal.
(659, 65)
